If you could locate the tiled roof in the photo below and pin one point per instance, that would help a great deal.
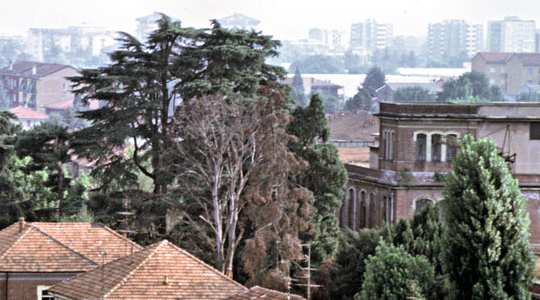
(495, 57)
(529, 59)
(59, 247)
(26, 68)
(25, 113)
(160, 271)
(258, 292)
(64, 104)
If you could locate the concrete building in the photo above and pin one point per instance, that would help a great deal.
(239, 21)
(330, 39)
(36, 85)
(511, 35)
(452, 39)
(509, 71)
(83, 40)
(371, 35)
(418, 143)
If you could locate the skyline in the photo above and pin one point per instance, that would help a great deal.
(282, 19)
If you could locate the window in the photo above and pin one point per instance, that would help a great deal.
(43, 294)
(361, 211)
(351, 221)
(534, 131)
(388, 139)
(387, 209)
(436, 148)
(451, 147)
(421, 140)
(343, 212)
(421, 204)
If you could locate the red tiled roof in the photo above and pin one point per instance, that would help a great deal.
(25, 113)
(258, 292)
(65, 104)
(25, 68)
(160, 271)
(60, 247)
(529, 59)
(495, 57)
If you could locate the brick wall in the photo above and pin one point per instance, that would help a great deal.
(55, 87)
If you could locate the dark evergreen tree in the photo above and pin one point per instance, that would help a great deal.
(375, 78)
(360, 101)
(298, 91)
(325, 175)
(413, 94)
(488, 254)
(469, 86)
(394, 274)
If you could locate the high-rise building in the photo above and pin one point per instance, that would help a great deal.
(452, 39)
(371, 35)
(512, 35)
(330, 39)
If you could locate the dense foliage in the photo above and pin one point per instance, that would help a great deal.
(488, 254)
(472, 85)
(413, 94)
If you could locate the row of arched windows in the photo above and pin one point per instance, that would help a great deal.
(436, 147)
(363, 210)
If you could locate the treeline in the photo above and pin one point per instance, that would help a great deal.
(199, 140)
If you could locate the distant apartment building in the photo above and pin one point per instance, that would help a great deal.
(82, 40)
(331, 39)
(371, 35)
(239, 21)
(36, 85)
(453, 38)
(511, 35)
(537, 41)
(512, 72)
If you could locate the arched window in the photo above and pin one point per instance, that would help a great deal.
(421, 204)
(421, 140)
(372, 211)
(388, 208)
(351, 220)
(451, 147)
(361, 210)
(436, 148)
(343, 212)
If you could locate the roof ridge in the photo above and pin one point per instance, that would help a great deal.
(20, 235)
(62, 244)
(204, 264)
(120, 236)
(151, 253)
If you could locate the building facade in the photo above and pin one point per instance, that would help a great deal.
(511, 35)
(417, 144)
(371, 35)
(453, 39)
(509, 71)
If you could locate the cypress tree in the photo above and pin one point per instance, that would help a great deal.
(298, 90)
(488, 254)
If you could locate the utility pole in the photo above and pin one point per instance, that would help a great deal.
(307, 271)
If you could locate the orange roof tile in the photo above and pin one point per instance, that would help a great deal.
(60, 247)
(258, 292)
(28, 113)
(160, 271)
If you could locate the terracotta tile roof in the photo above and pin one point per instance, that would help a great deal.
(25, 68)
(160, 271)
(495, 57)
(59, 247)
(25, 113)
(258, 292)
(61, 105)
(529, 59)
(353, 126)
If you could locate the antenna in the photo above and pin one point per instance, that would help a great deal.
(124, 221)
(307, 270)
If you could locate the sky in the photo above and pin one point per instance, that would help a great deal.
(285, 19)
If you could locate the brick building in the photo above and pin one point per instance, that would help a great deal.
(417, 145)
(509, 71)
(37, 255)
(160, 271)
(35, 85)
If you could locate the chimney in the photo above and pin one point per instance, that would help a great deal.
(34, 70)
(22, 224)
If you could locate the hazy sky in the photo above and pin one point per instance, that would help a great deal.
(285, 19)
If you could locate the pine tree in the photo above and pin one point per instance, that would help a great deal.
(375, 78)
(488, 254)
(360, 101)
(392, 273)
(298, 90)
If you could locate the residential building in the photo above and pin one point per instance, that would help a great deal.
(418, 143)
(239, 21)
(511, 35)
(371, 35)
(453, 39)
(332, 40)
(509, 71)
(35, 85)
(537, 41)
(160, 271)
(79, 40)
(37, 255)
